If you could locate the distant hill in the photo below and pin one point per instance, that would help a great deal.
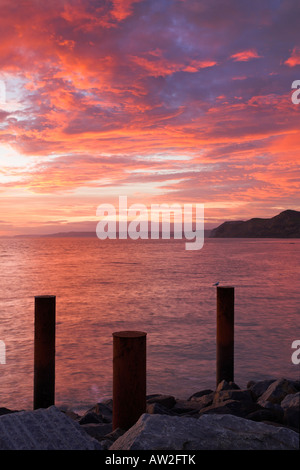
(71, 234)
(57, 235)
(284, 225)
(79, 235)
(92, 234)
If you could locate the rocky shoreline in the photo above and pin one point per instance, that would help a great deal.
(272, 403)
(265, 415)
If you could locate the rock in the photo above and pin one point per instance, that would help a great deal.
(108, 403)
(115, 434)
(110, 438)
(71, 414)
(273, 407)
(276, 392)
(296, 384)
(200, 394)
(234, 407)
(203, 401)
(223, 385)
(251, 383)
(185, 407)
(103, 410)
(209, 432)
(168, 401)
(274, 416)
(90, 417)
(98, 431)
(6, 411)
(258, 388)
(291, 400)
(239, 395)
(156, 408)
(291, 408)
(43, 429)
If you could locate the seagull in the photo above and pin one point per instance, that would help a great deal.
(216, 283)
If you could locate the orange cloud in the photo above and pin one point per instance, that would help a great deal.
(294, 59)
(157, 65)
(122, 8)
(244, 56)
(139, 96)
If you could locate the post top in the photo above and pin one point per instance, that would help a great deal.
(44, 296)
(225, 287)
(129, 334)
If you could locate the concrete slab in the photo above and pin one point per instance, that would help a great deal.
(43, 429)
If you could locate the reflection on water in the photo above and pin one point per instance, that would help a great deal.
(151, 285)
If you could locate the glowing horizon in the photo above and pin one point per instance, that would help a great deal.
(163, 101)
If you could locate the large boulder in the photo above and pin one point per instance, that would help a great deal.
(156, 408)
(200, 394)
(235, 407)
(240, 395)
(100, 413)
(203, 401)
(168, 401)
(209, 432)
(291, 408)
(43, 429)
(276, 392)
(258, 388)
(264, 414)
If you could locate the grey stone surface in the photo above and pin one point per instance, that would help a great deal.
(276, 392)
(224, 395)
(98, 431)
(156, 408)
(291, 408)
(103, 410)
(186, 407)
(91, 417)
(234, 407)
(200, 394)
(209, 432)
(43, 429)
(291, 401)
(274, 416)
(203, 400)
(168, 401)
(258, 388)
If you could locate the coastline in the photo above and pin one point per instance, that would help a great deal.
(269, 407)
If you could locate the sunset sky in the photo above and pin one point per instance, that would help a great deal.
(165, 101)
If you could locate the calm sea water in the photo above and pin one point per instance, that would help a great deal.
(151, 285)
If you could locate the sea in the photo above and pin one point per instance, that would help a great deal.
(155, 286)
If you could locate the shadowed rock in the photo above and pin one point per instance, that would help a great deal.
(276, 392)
(291, 408)
(209, 432)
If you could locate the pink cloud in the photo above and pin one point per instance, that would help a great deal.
(294, 59)
(105, 87)
(246, 55)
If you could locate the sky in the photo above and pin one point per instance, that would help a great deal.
(165, 101)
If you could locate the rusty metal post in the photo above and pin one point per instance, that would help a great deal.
(129, 377)
(225, 334)
(44, 351)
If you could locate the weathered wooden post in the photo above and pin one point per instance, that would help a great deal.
(129, 377)
(225, 334)
(44, 351)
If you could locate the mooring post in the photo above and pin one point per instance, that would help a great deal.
(225, 334)
(129, 377)
(44, 351)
